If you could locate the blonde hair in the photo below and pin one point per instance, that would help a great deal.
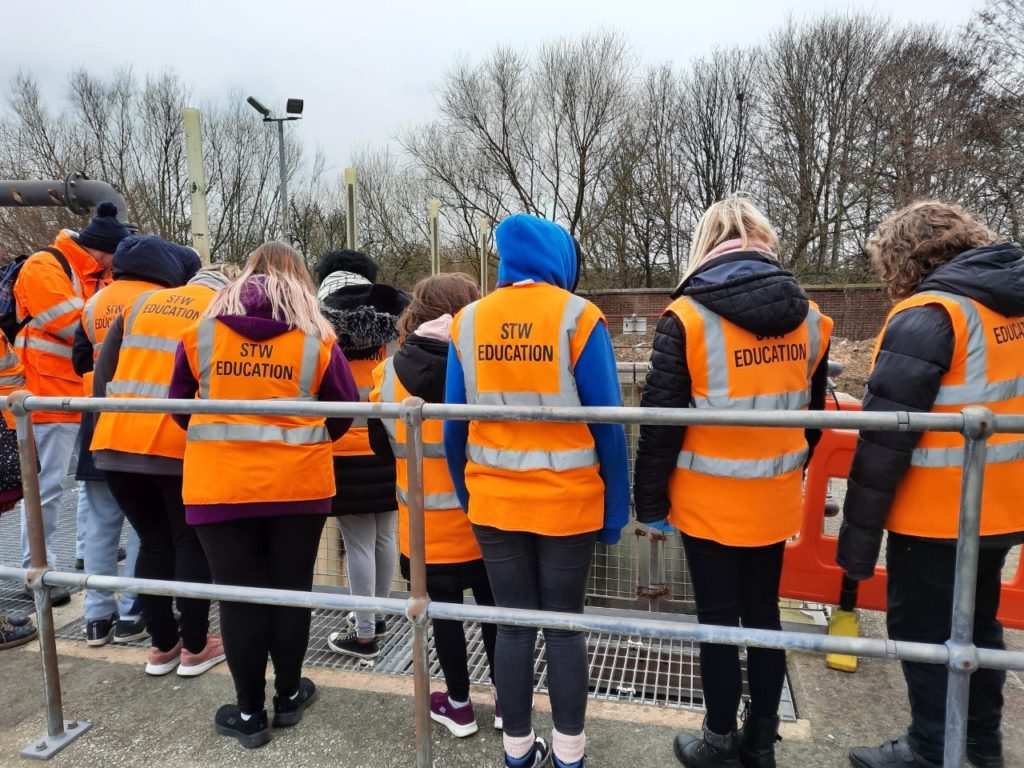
(230, 271)
(734, 218)
(284, 279)
(435, 296)
(916, 239)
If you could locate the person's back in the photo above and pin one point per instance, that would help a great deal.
(539, 495)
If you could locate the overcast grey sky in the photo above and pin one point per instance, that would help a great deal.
(368, 68)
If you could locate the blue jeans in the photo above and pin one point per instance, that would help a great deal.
(55, 445)
(103, 535)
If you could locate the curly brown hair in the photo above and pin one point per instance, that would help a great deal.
(916, 239)
(437, 295)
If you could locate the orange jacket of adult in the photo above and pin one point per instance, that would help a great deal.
(12, 374)
(449, 536)
(987, 369)
(54, 302)
(743, 486)
(519, 346)
(100, 311)
(356, 442)
(153, 325)
(232, 459)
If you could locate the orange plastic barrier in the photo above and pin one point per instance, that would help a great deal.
(810, 572)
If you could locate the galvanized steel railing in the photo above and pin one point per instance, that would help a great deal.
(959, 652)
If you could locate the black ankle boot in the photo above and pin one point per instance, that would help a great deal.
(715, 750)
(757, 741)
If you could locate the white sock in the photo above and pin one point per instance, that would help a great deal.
(568, 749)
(458, 704)
(518, 747)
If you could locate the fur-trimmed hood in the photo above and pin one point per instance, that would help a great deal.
(364, 317)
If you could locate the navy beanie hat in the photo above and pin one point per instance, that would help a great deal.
(104, 232)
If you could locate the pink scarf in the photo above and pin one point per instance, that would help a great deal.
(440, 328)
(733, 246)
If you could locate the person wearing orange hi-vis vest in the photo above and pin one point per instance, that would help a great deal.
(954, 339)
(364, 315)
(50, 293)
(741, 334)
(539, 495)
(258, 488)
(142, 264)
(454, 562)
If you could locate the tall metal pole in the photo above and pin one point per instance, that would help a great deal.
(197, 183)
(351, 231)
(963, 655)
(433, 213)
(485, 229)
(285, 229)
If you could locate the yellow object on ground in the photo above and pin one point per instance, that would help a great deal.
(843, 624)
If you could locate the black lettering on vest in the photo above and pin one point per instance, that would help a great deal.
(170, 310)
(510, 331)
(1010, 332)
(766, 355)
(249, 369)
(516, 353)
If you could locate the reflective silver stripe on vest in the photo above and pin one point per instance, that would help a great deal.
(430, 450)
(1000, 453)
(140, 301)
(56, 311)
(12, 381)
(431, 501)
(567, 394)
(204, 355)
(140, 388)
(744, 469)
(31, 342)
(976, 387)
(10, 359)
(717, 364)
(387, 395)
(558, 461)
(364, 397)
(307, 369)
(258, 433)
(89, 321)
(154, 343)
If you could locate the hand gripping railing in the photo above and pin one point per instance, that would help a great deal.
(959, 652)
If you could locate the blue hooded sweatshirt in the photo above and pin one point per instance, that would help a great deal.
(537, 250)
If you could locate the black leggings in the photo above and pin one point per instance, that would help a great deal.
(168, 549)
(549, 573)
(447, 583)
(733, 586)
(277, 552)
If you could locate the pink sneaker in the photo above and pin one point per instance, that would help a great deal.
(194, 664)
(162, 662)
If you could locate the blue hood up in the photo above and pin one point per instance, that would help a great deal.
(531, 248)
(150, 258)
(992, 275)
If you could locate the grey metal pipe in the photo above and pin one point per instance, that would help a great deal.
(652, 628)
(963, 655)
(78, 193)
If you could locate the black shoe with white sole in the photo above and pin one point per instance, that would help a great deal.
(100, 631)
(250, 733)
(130, 630)
(288, 710)
(350, 645)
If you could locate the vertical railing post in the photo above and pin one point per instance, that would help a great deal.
(412, 416)
(59, 733)
(963, 655)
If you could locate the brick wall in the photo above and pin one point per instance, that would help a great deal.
(858, 310)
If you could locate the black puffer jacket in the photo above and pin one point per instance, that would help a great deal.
(916, 351)
(364, 317)
(747, 289)
(421, 364)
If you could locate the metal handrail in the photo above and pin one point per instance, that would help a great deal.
(958, 653)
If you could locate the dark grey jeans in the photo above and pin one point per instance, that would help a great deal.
(527, 570)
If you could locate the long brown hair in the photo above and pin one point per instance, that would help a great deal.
(437, 295)
(288, 286)
(916, 239)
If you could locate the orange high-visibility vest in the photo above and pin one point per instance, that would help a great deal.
(153, 326)
(449, 536)
(356, 441)
(742, 486)
(55, 304)
(12, 375)
(100, 311)
(519, 346)
(231, 459)
(987, 369)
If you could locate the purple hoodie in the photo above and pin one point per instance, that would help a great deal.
(337, 385)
